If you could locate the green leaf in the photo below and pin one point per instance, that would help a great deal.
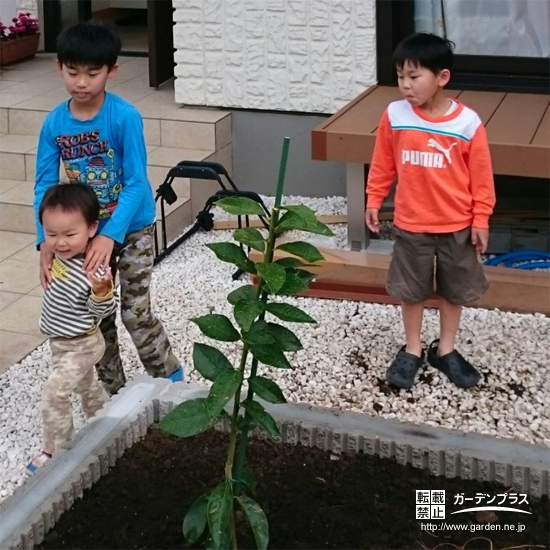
(273, 274)
(222, 390)
(209, 361)
(267, 389)
(306, 276)
(250, 237)
(246, 293)
(195, 520)
(303, 250)
(262, 417)
(187, 419)
(284, 338)
(286, 312)
(233, 254)
(258, 334)
(291, 221)
(240, 206)
(216, 326)
(302, 211)
(257, 520)
(290, 262)
(219, 513)
(293, 285)
(246, 313)
(270, 354)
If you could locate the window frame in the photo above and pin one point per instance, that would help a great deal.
(395, 21)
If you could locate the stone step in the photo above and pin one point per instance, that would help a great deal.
(18, 157)
(164, 125)
(17, 212)
(17, 166)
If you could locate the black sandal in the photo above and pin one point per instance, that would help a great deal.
(403, 369)
(459, 371)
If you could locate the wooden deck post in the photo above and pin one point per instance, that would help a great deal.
(358, 234)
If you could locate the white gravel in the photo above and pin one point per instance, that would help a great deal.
(343, 363)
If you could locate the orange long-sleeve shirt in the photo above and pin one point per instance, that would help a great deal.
(443, 169)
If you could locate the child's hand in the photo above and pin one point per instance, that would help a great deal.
(98, 253)
(371, 217)
(101, 281)
(46, 259)
(480, 239)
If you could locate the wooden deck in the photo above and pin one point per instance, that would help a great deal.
(518, 129)
(360, 276)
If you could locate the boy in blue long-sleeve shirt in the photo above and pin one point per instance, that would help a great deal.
(98, 137)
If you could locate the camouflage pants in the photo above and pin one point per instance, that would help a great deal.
(73, 361)
(134, 262)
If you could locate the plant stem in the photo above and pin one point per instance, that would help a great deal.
(235, 420)
(262, 296)
(233, 530)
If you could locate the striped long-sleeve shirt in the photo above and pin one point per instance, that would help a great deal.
(70, 308)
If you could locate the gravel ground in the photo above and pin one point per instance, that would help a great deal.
(343, 363)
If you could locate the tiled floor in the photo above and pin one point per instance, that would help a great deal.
(35, 85)
(20, 297)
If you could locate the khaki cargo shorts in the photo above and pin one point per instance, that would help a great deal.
(446, 263)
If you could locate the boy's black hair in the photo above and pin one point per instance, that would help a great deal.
(424, 50)
(89, 44)
(71, 197)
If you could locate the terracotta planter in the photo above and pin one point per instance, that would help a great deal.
(19, 49)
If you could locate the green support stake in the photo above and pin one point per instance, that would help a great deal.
(282, 172)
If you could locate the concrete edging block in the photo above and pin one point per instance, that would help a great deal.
(441, 451)
(36, 506)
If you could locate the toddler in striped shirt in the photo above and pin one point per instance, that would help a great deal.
(74, 304)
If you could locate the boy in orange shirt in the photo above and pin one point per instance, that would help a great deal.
(438, 150)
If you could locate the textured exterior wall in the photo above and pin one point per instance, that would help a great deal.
(290, 55)
(27, 5)
(35, 7)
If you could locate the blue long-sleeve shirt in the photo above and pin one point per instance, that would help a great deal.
(107, 153)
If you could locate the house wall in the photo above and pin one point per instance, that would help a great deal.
(32, 6)
(27, 5)
(288, 55)
(274, 58)
(8, 9)
(257, 144)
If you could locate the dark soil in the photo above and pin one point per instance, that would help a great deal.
(312, 499)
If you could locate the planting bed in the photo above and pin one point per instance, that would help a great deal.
(313, 499)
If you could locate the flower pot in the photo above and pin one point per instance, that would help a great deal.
(19, 49)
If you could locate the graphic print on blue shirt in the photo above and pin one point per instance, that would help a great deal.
(88, 159)
(107, 150)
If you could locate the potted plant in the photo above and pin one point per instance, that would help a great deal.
(19, 41)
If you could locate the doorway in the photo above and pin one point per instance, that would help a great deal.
(130, 19)
(145, 28)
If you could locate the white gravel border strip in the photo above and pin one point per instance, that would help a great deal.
(36, 506)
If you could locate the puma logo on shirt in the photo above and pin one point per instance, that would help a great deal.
(439, 147)
(428, 159)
